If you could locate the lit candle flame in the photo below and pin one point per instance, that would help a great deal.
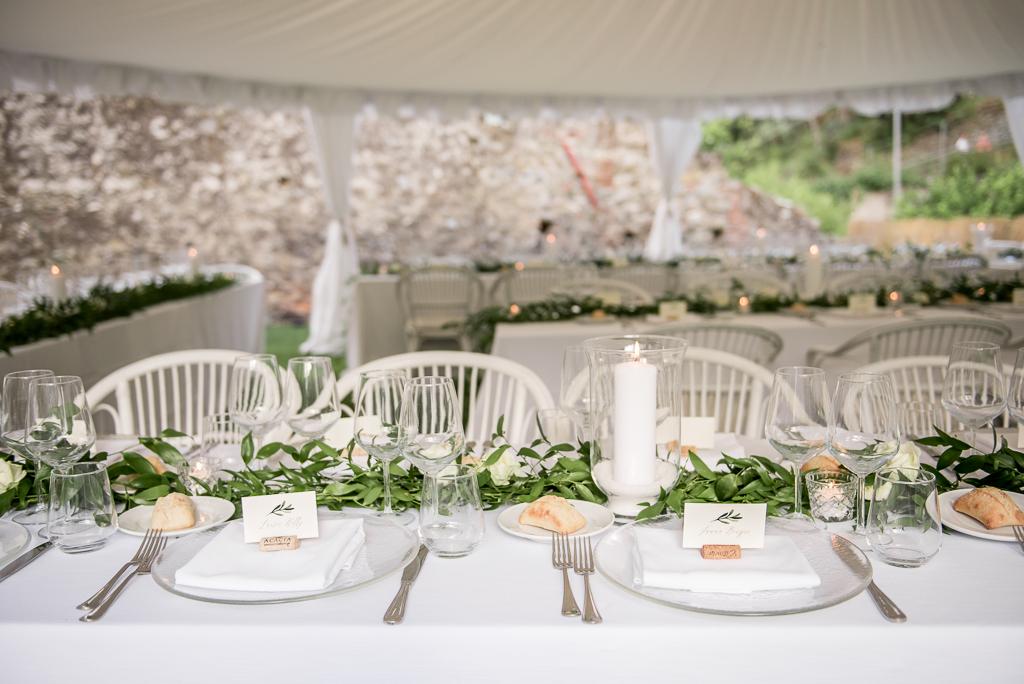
(193, 252)
(894, 296)
(761, 233)
(744, 301)
(514, 310)
(55, 270)
(520, 266)
(634, 350)
(551, 238)
(813, 249)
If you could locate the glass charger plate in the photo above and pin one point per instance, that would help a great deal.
(614, 558)
(388, 548)
(13, 540)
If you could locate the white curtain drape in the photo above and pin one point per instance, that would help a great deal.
(673, 144)
(331, 135)
(1014, 107)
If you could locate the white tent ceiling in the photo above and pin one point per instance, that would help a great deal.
(661, 56)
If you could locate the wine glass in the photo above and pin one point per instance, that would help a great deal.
(430, 425)
(60, 429)
(311, 397)
(863, 430)
(13, 428)
(973, 391)
(378, 409)
(255, 397)
(796, 422)
(1015, 392)
(574, 396)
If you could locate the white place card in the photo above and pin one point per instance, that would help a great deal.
(280, 515)
(861, 303)
(698, 431)
(610, 298)
(1018, 296)
(723, 523)
(672, 311)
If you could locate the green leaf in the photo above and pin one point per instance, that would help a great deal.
(268, 450)
(247, 448)
(172, 433)
(153, 493)
(137, 463)
(702, 468)
(165, 451)
(651, 511)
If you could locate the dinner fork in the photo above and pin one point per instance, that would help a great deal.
(583, 564)
(561, 558)
(143, 568)
(147, 541)
(1018, 532)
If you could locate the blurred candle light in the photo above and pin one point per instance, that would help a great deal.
(813, 272)
(193, 259)
(744, 304)
(895, 298)
(761, 233)
(514, 310)
(519, 265)
(551, 238)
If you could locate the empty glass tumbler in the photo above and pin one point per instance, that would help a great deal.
(451, 512)
(81, 515)
(903, 522)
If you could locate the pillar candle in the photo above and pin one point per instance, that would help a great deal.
(58, 286)
(813, 273)
(193, 260)
(635, 422)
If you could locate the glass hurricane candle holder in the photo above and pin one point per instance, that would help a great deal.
(635, 417)
(832, 495)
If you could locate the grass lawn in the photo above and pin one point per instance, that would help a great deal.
(283, 341)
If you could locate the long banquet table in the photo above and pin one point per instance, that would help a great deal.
(494, 617)
(539, 346)
(231, 318)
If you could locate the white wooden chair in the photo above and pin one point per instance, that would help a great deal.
(655, 279)
(920, 378)
(535, 284)
(608, 290)
(760, 345)
(435, 297)
(915, 338)
(732, 389)
(488, 387)
(174, 390)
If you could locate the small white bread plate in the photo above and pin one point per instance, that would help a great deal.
(961, 522)
(13, 540)
(598, 518)
(210, 512)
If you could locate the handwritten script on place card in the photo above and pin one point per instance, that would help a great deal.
(715, 524)
(280, 515)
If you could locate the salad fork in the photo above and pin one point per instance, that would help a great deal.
(561, 559)
(1018, 532)
(583, 564)
(143, 568)
(148, 541)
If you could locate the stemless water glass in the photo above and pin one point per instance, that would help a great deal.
(430, 426)
(60, 429)
(973, 391)
(1015, 391)
(13, 429)
(255, 396)
(81, 513)
(378, 411)
(312, 400)
(574, 395)
(863, 432)
(796, 421)
(451, 512)
(904, 524)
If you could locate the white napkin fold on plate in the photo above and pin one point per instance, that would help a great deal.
(228, 563)
(661, 561)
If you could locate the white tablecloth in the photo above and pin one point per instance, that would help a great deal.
(494, 617)
(232, 318)
(539, 346)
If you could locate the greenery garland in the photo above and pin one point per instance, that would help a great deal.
(480, 326)
(560, 469)
(48, 318)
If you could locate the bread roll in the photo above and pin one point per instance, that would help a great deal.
(173, 512)
(991, 507)
(553, 513)
(821, 462)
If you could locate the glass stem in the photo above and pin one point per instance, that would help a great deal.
(862, 520)
(387, 487)
(40, 488)
(797, 493)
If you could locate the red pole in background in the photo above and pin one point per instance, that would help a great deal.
(588, 189)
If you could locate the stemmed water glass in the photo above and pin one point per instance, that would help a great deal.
(13, 429)
(863, 430)
(796, 422)
(574, 396)
(311, 396)
(430, 425)
(973, 391)
(378, 409)
(255, 396)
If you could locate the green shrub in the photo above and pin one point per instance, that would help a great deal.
(969, 188)
(833, 212)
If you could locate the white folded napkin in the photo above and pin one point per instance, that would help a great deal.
(228, 563)
(661, 561)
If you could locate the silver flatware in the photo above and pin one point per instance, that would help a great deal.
(1018, 532)
(24, 559)
(396, 611)
(143, 568)
(147, 544)
(583, 564)
(890, 611)
(561, 559)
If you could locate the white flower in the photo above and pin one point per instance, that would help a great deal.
(10, 475)
(507, 467)
(79, 435)
(907, 459)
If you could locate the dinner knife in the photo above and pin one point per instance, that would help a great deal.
(890, 611)
(23, 560)
(396, 611)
